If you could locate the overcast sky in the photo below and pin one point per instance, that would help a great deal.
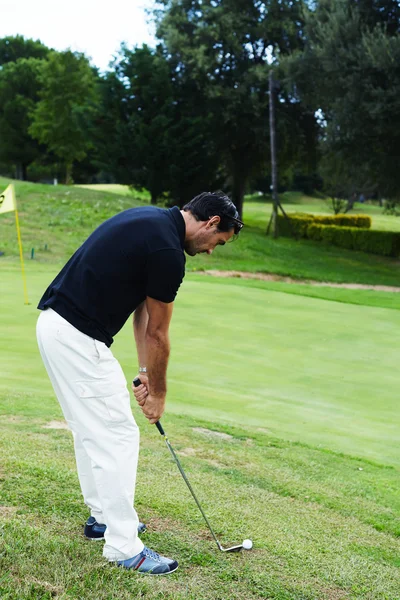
(95, 27)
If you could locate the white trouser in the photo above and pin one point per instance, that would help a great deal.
(91, 388)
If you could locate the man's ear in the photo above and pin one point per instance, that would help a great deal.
(214, 221)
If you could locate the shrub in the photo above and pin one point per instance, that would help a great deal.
(297, 227)
(386, 243)
(299, 222)
(362, 221)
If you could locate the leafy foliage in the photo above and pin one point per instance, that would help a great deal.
(350, 71)
(225, 47)
(19, 93)
(12, 48)
(61, 118)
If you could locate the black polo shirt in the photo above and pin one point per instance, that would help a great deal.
(137, 253)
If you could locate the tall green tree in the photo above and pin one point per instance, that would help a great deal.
(68, 100)
(14, 47)
(224, 47)
(350, 70)
(19, 93)
(135, 120)
(150, 133)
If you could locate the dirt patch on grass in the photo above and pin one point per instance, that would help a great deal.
(188, 452)
(334, 594)
(54, 590)
(280, 278)
(161, 524)
(6, 512)
(215, 463)
(56, 425)
(209, 432)
(211, 461)
(13, 418)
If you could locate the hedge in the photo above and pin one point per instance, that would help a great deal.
(297, 225)
(386, 243)
(335, 230)
(300, 221)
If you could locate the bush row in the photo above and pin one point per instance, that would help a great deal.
(386, 243)
(300, 222)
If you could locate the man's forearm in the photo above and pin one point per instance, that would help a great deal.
(158, 349)
(140, 322)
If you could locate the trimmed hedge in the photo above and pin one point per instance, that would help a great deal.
(297, 226)
(300, 221)
(386, 243)
(362, 221)
(335, 231)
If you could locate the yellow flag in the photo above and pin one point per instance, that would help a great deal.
(7, 200)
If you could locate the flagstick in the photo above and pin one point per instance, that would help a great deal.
(20, 252)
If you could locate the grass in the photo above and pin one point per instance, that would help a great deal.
(258, 209)
(301, 380)
(55, 220)
(310, 473)
(116, 188)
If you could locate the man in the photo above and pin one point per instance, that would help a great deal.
(133, 262)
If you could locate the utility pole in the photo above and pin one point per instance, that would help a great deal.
(276, 205)
(274, 167)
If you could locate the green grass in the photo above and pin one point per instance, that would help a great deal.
(55, 220)
(310, 473)
(304, 380)
(116, 188)
(258, 209)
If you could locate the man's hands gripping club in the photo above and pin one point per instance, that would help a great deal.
(151, 405)
(151, 324)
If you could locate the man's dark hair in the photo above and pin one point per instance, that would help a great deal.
(210, 204)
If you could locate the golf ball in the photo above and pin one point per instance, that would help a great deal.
(247, 544)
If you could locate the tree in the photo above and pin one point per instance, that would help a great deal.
(223, 47)
(13, 48)
(135, 120)
(19, 93)
(350, 71)
(150, 133)
(68, 99)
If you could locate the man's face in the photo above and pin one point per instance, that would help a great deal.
(207, 238)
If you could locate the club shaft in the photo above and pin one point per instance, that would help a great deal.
(176, 459)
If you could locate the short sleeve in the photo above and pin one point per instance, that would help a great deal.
(165, 272)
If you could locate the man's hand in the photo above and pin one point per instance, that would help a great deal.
(153, 408)
(141, 392)
(151, 405)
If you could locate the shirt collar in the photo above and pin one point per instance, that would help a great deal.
(180, 224)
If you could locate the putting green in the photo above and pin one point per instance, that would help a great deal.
(305, 369)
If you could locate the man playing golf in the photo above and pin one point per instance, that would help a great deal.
(132, 263)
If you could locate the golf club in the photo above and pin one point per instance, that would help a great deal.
(247, 544)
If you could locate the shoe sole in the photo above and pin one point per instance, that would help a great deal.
(155, 574)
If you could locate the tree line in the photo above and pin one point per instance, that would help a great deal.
(192, 113)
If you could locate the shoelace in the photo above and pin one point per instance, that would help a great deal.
(151, 554)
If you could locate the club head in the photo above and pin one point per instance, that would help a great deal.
(231, 549)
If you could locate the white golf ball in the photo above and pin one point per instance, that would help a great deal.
(247, 544)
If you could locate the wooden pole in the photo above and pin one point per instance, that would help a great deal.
(274, 167)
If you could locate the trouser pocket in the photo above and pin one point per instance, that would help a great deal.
(106, 399)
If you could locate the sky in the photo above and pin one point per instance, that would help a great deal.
(94, 27)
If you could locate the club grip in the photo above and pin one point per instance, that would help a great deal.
(160, 428)
(136, 383)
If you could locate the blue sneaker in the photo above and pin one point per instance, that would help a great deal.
(150, 563)
(95, 531)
